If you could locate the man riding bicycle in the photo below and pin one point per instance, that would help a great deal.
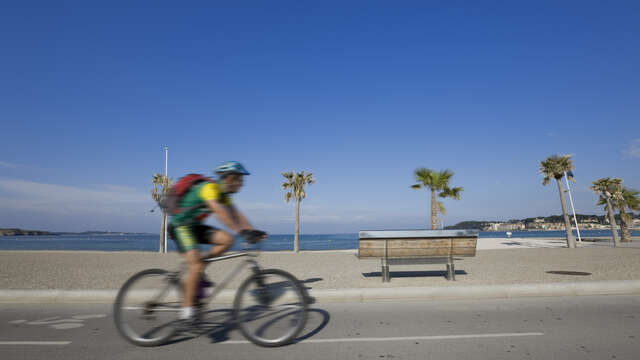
(188, 230)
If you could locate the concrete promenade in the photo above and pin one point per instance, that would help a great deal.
(502, 268)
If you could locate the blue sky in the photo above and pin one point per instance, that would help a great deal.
(361, 93)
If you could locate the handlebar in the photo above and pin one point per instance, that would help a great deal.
(251, 246)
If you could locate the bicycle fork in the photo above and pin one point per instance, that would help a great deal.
(262, 293)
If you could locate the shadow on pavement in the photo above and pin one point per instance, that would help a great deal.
(405, 274)
(218, 327)
(219, 323)
(314, 316)
(531, 244)
(311, 280)
(562, 272)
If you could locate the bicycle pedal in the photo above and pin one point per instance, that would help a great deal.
(310, 300)
(206, 282)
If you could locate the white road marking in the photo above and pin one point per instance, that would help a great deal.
(29, 343)
(60, 323)
(406, 338)
(66, 326)
(85, 317)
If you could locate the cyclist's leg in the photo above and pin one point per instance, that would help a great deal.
(186, 239)
(195, 269)
(220, 239)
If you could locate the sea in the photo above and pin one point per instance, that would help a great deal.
(150, 242)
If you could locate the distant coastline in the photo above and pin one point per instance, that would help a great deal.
(19, 232)
(23, 232)
(548, 223)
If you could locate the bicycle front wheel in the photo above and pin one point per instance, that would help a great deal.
(146, 308)
(270, 308)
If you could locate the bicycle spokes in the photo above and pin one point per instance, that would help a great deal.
(270, 308)
(146, 308)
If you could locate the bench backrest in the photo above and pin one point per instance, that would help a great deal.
(416, 243)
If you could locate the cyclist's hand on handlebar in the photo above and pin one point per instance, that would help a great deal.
(252, 235)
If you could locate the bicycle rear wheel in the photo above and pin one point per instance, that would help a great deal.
(270, 308)
(146, 308)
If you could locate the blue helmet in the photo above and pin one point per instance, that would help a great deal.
(231, 167)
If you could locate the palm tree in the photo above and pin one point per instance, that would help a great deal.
(557, 167)
(438, 184)
(164, 183)
(623, 199)
(610, 190)
(295, 184)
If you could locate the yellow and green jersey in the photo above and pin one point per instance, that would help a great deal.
(194, 204)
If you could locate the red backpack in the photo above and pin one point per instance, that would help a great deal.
(171, 201)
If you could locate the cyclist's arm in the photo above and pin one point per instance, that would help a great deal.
(224, 214)
(244, 223)
(240, 218)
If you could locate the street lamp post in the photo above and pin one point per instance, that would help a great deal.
(572, 208)
(166, 174)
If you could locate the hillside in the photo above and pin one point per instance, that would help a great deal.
(18, 232)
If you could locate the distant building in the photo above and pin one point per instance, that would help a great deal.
(540, 225)
(592, 226)
(499, 226)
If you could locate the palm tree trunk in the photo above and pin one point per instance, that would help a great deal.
(571, 241)
(162, 233)
(612, 222)
(296, 245)
(434, 216)
(625, 219)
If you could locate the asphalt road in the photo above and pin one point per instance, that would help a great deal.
(593, 327)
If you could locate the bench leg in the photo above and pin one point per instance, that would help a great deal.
(451, 272)
(385, 271)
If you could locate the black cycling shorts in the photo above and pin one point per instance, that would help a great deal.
(187, 237)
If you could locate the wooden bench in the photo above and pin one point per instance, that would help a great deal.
(416, 247)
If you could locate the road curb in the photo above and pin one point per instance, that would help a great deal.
(620, 287)
(617, 287)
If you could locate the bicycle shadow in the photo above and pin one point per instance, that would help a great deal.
(216, 324)
(219, 324)
(311, 280)
(278, 289)
(317, 321)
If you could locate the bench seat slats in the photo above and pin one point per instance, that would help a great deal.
(417, 252)
(417, 243)
(418, 261)
(417, 247)
(426, 242)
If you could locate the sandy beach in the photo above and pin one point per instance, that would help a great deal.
(498, 261)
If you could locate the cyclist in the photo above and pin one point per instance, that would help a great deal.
(188, 230)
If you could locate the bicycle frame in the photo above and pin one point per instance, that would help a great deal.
(255, 267)
(248, 262)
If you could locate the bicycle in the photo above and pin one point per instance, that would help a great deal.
(151, 318)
